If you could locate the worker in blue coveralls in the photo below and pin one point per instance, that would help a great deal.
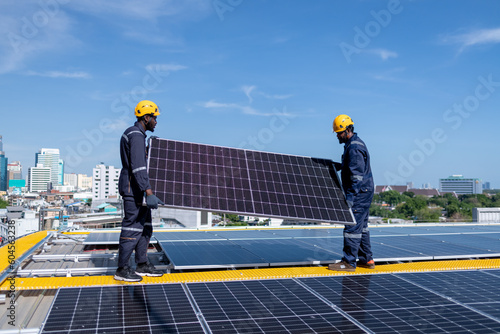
(134, 187)
(357, 182)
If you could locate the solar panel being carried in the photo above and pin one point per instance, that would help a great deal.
(213, 178)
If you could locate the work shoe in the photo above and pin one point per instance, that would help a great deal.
(126, 274)
(341, 266)
(147, 269)
(369, 265)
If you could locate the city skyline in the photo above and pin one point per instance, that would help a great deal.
(420, 79)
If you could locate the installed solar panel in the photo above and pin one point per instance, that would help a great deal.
(315, 246)
(393, 304)
(271, 306)
(213, 178)
(105, 238)
(280, 252)
(98, 238)
(186, 236)
(123, 309)
(436, 302)
(210, 254)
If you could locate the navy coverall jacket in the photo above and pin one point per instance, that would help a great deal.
(134, 179)
(356, 173)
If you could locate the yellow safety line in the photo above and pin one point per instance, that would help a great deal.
(18, 247)
(249, 274)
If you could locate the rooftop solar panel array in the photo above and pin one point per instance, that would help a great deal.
(280, 247)
(213, 178)
(436, 302)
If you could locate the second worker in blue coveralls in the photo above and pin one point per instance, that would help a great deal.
(357, 182)
(134, 186)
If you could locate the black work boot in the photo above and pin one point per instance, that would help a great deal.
(126, 274)
(147, 269)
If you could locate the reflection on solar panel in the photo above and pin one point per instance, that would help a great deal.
(105, 238)
(212, 178)
(451, 302)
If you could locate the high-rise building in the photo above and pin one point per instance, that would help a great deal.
(3, 168)
(15, 170)
(486, 186)
(49, 158)
(71, 180)
(78, 181)
(461, 185)
(39, 178)
(104, 182)
(84, 181)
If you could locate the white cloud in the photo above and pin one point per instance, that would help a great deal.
(242, 108)
(57, 74)
(165, 67)
(32, 28)
(248, 90)
(29, 31)
(382, 53)
(474, 37)
(144, 11)
(275, 96)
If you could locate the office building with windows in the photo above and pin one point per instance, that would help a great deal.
(49, 158)
(15, 170)
(461, 185)
(105, 182)
(39, 178)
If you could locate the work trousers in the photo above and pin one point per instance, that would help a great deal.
(136, 232)
(357, 238)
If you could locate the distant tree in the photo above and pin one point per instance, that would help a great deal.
(3, 204)
(409, 194)
(391, 197)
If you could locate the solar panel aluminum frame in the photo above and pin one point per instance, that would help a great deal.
(237, 171)
(106, 241)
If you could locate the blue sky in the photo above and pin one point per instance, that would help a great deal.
(421, 79)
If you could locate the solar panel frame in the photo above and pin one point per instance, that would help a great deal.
(222, 179)
(122, 309)
(106, 238)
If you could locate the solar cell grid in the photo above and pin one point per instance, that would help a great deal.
(134, 309)
(266, 306)
(205, 177)
(462, 286)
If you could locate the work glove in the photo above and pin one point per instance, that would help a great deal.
(152, 201)
(350, 204)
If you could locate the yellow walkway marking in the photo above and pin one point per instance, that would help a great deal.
(249, 274)
(20, 246)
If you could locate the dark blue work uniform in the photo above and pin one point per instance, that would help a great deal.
(357, 182)
(134, 181)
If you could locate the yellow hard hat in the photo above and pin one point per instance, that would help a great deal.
(341, 122)
(146, 107)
